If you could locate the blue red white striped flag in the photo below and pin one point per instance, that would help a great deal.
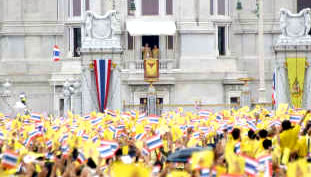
(56, 53)
(274, 88)
(49, 144)
(140, 136)
(295, 118)
(154, 142)
(145, 152)
(81, 158)
(237, 148)
(251, 165)
(153, 119)
(9, 159)
(102, 70)
(251, 125)
(106, 152)
(113, 144)
(205, 172)
(204, 113)
(35, 117)
(96, 121)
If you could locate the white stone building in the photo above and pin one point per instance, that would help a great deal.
(214, 44)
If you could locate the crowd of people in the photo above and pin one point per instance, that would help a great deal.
(239, 142)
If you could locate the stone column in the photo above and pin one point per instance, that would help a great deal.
(307, 88)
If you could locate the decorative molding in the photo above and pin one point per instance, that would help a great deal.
(294, 28)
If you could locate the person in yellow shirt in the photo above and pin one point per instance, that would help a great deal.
(305, 141)
(289, 138)
(263, 134)
(248, 144)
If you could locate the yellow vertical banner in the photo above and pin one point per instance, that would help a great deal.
(296, 76)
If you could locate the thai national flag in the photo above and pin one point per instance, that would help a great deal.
(35, 117)
(251, 125)
(102, 70)
(27, 142)
(196, 135)
(266, 163)
(237, 148)
(85, 137)
(63, 138)
(96, 121)
(113, 144)
(251, 165)
(1, 135)
(87, 117)
(112, 129)
(219, 117)
(94, 139)
(205, 172)
(32, 135)
(106, 152)
(126, 115)
(295, 118)
(111, 113)
(204, 113)
(49, 144)
(81, 158)
(274, 88)
(56, 53)
(133, 113)
(264, 159)
(153, 119)
(141, 117)
(154, 142)
(145, 152)
(140, 136)
(9, 159)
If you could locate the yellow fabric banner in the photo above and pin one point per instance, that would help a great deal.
(296, 76)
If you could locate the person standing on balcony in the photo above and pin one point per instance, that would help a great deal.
(146, 52)
(155, 52)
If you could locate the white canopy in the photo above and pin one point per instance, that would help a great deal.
(139, 27)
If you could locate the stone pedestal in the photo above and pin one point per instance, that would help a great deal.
(151, 101)
(101, 39)
(294, 42)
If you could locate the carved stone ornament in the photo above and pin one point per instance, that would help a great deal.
(101, 31)
(295, 27)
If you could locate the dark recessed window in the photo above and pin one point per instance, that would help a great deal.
(222, 40)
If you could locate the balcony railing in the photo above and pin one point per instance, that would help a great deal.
(164, 64)
(134, 62)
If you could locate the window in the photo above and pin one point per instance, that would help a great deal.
(76, 8)
(169, 7)
(61, 107)
(234, 100)
(170, 42)
(222, 40)
(130, 10)
(87, 5)
(219, 7)
(130, 42)
(150, 7)
(76, 41)
(302, 4)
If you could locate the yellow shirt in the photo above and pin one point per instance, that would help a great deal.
(289, 138)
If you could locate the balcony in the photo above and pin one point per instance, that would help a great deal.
(135, 63)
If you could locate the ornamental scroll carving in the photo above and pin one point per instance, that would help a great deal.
(101, 27)
(101, 31)
(295, 25)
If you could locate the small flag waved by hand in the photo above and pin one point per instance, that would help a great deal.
(56, 53)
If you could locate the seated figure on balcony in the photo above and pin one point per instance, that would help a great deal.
(155, 52)
(146, 52)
